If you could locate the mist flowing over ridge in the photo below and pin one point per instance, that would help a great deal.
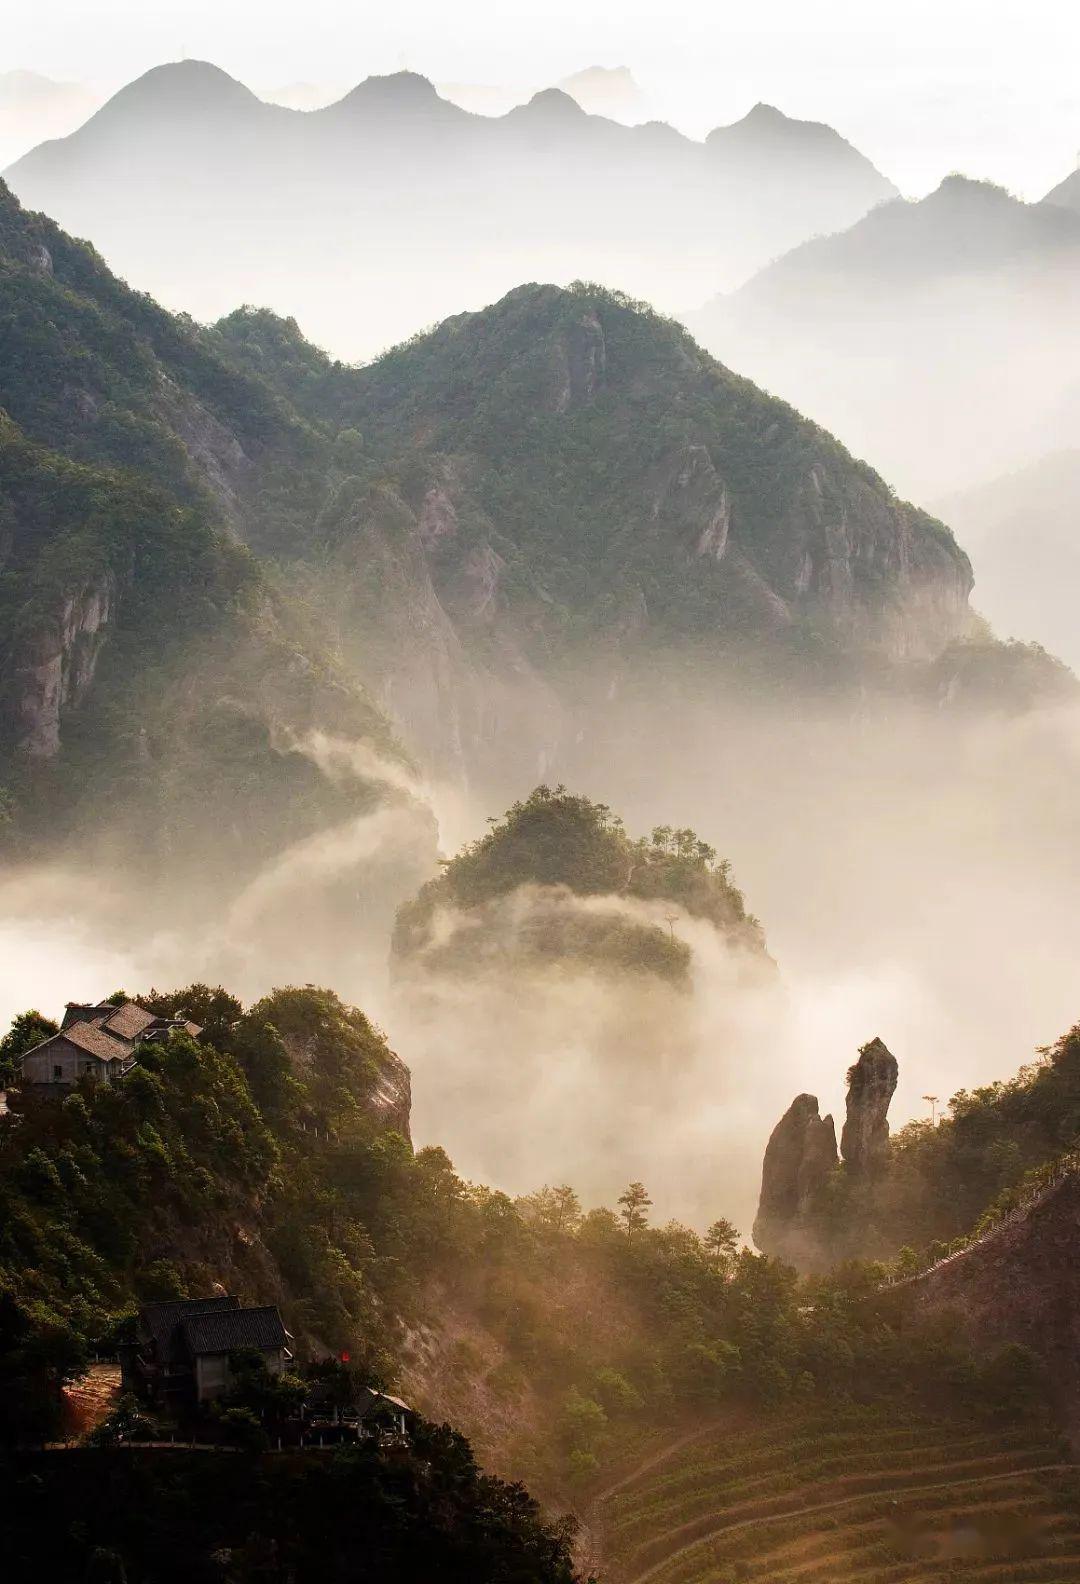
(552, 540)
(895, 332)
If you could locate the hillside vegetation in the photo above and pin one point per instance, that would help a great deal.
(149, 667)
(555, 847)
(270, 1157)
(425, 1512)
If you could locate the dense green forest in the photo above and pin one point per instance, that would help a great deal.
(558, 842)
(149, 665)
(599, 451)
(428, 1512)
(259, 1157)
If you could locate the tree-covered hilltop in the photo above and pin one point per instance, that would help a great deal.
(150, 668)
(627, 483)
(556, 846)
(267, 1157)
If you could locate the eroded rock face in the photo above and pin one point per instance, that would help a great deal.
(391, 1099)
(58, 666)
(864, 1142)
(800, 1155)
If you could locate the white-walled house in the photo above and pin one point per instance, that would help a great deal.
(96, 1041)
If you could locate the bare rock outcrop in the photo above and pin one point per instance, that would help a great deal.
(583, 358)
(799, 1157)
(57, 666)
(864, 1142)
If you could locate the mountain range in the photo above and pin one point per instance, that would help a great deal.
(231, 563)
(205, 195)
(939, 337)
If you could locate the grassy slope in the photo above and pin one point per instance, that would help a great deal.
(842, 1494)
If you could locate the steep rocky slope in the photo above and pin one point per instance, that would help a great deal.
(802, 1167)
(204, 195)
(563, 490)
(157, 687)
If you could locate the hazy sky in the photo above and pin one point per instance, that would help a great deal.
(986, 86)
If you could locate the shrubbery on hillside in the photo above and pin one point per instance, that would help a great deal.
(257, 1159)
(555, 839)
(131, 1518)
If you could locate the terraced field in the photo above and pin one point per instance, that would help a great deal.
(847, 1498)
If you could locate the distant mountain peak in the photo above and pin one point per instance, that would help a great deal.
(957, 185)
(396, 88)
(552, 104)
(763, 113)
(186, 78)
(177, 91)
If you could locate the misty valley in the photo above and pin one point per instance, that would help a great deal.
(538, 1038)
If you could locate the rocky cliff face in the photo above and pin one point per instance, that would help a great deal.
(799, 1157)
(55, 668)
(864, 1142)
(562, 487)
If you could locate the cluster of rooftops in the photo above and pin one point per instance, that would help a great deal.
(184, 1350)
(97, 1040)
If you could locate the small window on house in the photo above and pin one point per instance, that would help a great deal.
(58, 1073)
(88, 1067)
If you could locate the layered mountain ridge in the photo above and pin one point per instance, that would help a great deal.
(575, 485)
(208, 196)
(495, 529)
(894, 333)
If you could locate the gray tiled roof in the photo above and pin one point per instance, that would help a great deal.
(87, 1037)
(162, 1322)
(223, 1330)
(129, 1021)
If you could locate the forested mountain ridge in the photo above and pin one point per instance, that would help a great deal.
(146, 656)
(181, 180)
(263, 1158)
(564, 487)
(563, 480)
(558, 883)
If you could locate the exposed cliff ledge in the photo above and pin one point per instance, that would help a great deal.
(53, 673)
